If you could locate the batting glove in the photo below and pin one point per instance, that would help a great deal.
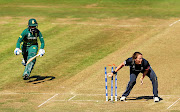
(17, 51)
(41, 52)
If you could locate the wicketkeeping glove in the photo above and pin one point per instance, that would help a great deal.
(41, 52)
(17, 51)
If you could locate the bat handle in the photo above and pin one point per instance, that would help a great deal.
(38, 54)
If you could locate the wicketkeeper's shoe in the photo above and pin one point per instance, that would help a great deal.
(123, 98)
(156, 99)
(26, 77)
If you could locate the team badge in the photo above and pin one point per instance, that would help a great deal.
(33, 22)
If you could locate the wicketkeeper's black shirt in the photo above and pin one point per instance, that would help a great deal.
(136, 68)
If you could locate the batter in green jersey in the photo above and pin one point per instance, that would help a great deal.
(29, 47)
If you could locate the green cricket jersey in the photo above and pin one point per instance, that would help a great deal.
(30, 38)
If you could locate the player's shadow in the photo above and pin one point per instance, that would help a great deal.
(143, 97)
(36, 79)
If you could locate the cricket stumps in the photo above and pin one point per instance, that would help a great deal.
(106, 85)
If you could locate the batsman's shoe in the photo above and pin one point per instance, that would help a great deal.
(23, 62)
(156, 99)
(26, 77)
(123, 98)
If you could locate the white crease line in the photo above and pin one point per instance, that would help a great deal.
(24, 93)
(79, 100)
(87, 100)
(134, 95)
(134, 101)
(170, 95)
(47, 100)
(91, 94)
(72, 97)
(173, 103)
(105, 25)
(59, 100)
(9, 93)
(174, 23)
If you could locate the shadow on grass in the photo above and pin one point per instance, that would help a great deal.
(143, 97)
(36, 79)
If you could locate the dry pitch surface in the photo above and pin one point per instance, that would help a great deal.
(86, 90)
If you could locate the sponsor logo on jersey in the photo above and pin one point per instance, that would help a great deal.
(31, 37)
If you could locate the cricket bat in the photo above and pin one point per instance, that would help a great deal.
(32, 59)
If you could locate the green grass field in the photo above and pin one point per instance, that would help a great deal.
(81, 38)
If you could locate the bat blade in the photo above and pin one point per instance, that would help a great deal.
(31, 59)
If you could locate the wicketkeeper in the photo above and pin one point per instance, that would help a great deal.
(138, 65)
(30, 46)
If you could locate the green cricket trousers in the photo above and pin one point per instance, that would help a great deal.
(29, 52)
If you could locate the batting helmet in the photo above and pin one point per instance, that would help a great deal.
(32, 22)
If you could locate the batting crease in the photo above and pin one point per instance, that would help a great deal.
(4, 93)
(72, 97)
(47, 100)
(174, 22)
(106, 25)
(173, 103)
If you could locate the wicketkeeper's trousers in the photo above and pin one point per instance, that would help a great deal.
(151, 74)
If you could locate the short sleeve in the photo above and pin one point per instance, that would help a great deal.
(146, 65)
(21, 37)
(128, 62)
(41, 40)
